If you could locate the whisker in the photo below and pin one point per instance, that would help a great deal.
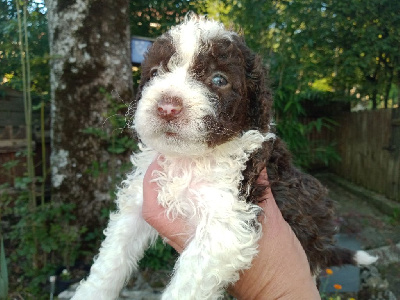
(109, 117)
(120, 130)
(127, 117)
(116, 95)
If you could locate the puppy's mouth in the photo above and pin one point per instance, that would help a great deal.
(171, 134)
(175, 127)
(171, 130)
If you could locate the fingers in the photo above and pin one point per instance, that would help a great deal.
(263, 177)
(175, 232)
(281, 259)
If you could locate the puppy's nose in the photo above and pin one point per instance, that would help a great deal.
(169, 108)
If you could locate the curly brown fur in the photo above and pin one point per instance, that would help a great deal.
(303, 202)
(301, 198)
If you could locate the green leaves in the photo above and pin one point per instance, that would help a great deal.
(122, 144)
(159, 256)
(306, 41)
(38, 45)
(296, 128)
(319, 52)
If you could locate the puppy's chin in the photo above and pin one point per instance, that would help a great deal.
(174, 144)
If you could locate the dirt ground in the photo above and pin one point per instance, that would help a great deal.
(372, 228)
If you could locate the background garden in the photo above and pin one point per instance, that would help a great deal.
(67, 88)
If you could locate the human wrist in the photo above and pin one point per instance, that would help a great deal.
(281, 269)
(288, 289)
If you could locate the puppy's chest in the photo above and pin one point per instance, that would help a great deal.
(192, 187)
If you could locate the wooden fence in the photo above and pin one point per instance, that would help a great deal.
(369, 145)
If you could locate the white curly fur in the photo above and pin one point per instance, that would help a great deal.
(204, 190)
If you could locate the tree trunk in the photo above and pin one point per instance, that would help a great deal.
(90, 58)
(373, 81)
(388, 87)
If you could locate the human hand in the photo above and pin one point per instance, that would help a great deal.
(279, 271)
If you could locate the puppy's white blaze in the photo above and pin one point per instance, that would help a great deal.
(189, 37)
(185, 39)
(363, 258)
(211, 29)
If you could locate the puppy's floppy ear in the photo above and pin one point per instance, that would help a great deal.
(258, 91)
(260, 107)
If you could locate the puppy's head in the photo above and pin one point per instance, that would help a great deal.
(200, 87)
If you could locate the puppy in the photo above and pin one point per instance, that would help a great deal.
(203, 104)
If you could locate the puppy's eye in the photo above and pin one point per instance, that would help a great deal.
(153, 72)
(219, 80)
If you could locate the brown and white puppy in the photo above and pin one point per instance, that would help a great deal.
(204, 105)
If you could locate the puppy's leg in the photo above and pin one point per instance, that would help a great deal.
(220, 248)
(127, 237)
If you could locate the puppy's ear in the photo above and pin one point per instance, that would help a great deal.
(260, 95)
(258, 91)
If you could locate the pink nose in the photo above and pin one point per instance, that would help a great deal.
(169, 108)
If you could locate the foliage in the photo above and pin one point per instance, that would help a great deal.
(118, 139)
(159, 256)
(152, 18)
(3, 271)
(394, 219)
(296, 130)
(57, 239)
(10, 70)
(40, 243)
(119, 115)
(364, 50)
(326, 46)
(332, 40)
(291, 70)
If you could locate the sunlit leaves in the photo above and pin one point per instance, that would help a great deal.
(10, 69)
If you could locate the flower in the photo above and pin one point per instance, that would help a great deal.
(337, 286)
(329, 271)
(65, 274)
